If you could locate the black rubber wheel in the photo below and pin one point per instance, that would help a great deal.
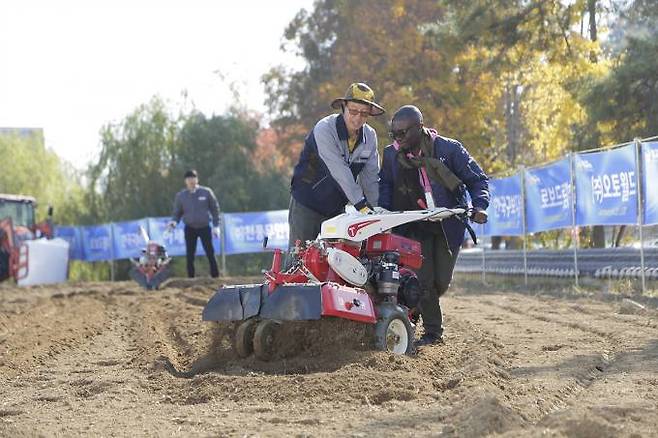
(393, 330)
(265, 339)
(243, 343)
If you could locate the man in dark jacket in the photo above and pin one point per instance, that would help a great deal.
(414, 177)
(338, 165)
(197, 206)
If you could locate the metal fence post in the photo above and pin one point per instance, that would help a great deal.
(222, 243)
(640, 209)
(574, 229)
(111, 253)
(525, 230)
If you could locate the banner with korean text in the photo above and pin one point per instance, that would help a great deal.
(245, 231)
(72, 236)
(174, 240)
(606, 189)
(548, 197)
(97, 242)
(650, 182)
(128, 239)
(505, 215)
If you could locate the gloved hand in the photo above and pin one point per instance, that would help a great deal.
(364, 207)
(479, 216)
(217, 232)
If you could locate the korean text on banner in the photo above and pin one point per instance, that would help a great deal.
(97, 242)
(174, 240)
(650, 177)
(245, 231)
(127, 238)
(72, 236)
(548, 197)
(505, 215)
(606, 191)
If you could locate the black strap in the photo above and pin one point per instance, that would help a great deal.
(471, 231)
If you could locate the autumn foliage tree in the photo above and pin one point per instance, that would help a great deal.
(518, 82)
(503, 77)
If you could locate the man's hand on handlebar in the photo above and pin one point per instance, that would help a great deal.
(479, 216)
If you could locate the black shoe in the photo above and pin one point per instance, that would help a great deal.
(428, 339)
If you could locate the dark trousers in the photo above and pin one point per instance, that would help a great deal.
(191, 235)
(304, 223)
(434, 276)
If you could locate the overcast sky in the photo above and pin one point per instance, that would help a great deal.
(71, 66)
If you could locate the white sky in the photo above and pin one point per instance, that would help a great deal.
(70, 67)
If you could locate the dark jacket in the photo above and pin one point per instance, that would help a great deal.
(459, 161)
(328, 176)
(196, 208)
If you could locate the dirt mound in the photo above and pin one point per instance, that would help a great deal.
(484, 417)
(114, 359)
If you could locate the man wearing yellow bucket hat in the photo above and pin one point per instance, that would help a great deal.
(338, 165)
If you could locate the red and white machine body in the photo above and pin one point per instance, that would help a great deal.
(151, 268)
(354, 264)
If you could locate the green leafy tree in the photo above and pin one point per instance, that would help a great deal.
(37, 171)
(222, 149)
(507, 78)
(143, 159)
(136, 172)
(624, 103)
(503, 77)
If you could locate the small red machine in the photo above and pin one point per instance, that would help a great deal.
(356, 269)
(151, 268)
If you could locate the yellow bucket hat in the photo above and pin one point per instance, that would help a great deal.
(360, 92)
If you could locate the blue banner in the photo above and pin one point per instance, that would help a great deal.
(72, 236)
(505, 215)
(127, 238)
(606, 192)
(245, 231)
(548, 197)
(174, 240)
(97, 242)
(649, 182)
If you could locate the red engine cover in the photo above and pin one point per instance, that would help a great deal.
(409, 249)
(316, 262)
(353, 249)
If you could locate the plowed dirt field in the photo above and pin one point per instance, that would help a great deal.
(111, 359)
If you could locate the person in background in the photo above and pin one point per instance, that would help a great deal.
(338, 165)
(197, 206)
(419, 169)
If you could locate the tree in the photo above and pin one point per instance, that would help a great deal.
(33, 170)
(505, 77)
(623, 104)
(137, 171)
(223, 150)
(478, 70)
(143, 159)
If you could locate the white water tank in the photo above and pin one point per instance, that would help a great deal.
(43, 261)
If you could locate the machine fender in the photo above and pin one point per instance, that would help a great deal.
(234, 303)
(294, 302)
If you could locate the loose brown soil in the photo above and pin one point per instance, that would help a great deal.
(111, 359)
